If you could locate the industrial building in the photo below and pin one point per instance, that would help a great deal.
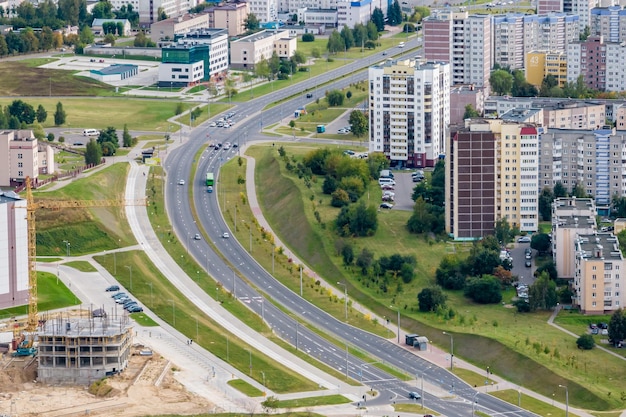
(76, 351)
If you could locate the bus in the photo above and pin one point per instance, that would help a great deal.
(209, 179)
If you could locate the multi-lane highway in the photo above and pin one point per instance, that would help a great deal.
(250, 118)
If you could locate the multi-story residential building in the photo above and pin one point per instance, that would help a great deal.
(169, 29)
(149, 10)
(599, 274)
(13, 251)
(184, 64)
(615, 67)
(540, 64)
(460, 97)
(246, 52)
(292, 6)
(231, 16)
(549, 6)
(571, 216)
(509, 177)
(593, 159)
(22, 154)
(534, 116)
(587, 59)
(409, 111)
(580, 8)
(555, 31)
(264, 10)
(335, 13)
(462, 40)
(217, 41)
(509, 40)
(608, 22)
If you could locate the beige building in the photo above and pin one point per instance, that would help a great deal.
(540, 64)
(600, 267)
(246, 52)
(573, 115)
(570, 217)
(168, 29)
(231, 16)
(20, 156)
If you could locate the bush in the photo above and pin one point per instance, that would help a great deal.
(308, 37)
(484, 290)
(430, 299)
(585, 342)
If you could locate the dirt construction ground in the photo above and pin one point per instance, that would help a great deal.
(146, 387)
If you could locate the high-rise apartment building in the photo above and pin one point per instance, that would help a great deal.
(464, 41)
(409, 111)
(149, 10)
(264, 10)
(593, 159)
(549, 6)
(608, 22)
(540, 64)
(509, 178)
(580, 8)
(13, 251)
(587, 59)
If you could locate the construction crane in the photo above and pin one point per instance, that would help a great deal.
(31, 207)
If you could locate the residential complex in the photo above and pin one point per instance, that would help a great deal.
(409, 111)
(264, 10)
(491, 160)
(248, 51)
(609, 22)
(591, 158)
(23, 156)
(464, 41)
(13, 251)
(149, 10)
(540, 64)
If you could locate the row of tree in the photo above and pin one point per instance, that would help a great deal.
(363, 36)
(21, 115)
(106, 144)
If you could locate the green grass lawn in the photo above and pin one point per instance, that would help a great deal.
(313, 401)
(87, 230)
(245, 388)
(99, 113)
(52, 295)
(414, 408)
(82, 266)
(532, 404)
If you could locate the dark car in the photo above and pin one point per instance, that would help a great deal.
(528, 263)
(386, 206)
(135, 309)
(113, 288)
(414, 395)
(309, 95)
(235, 145)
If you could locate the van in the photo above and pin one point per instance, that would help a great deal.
(386, 181)
(386, 173)
(401, 45)
(90, 132)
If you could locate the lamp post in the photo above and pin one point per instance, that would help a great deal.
(130, 270)
(398, 323)
(151, 303)
(345, 293)
(423, 370)
(566, 399)
(474, 402)
(173, 312)
(67, 247)
(451, 349)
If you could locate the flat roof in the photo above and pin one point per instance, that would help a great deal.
(115, 69)
(575, 222)
(519, 114)
(261, 35)
(565, 204)
(111, 325)
(9, 197)
(598, 246)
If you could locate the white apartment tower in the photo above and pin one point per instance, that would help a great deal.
(149, 10)
(264, 10)
(409, 111)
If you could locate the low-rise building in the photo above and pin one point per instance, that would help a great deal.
(19, 151)
(248, 51)
(599, 274)
(229, 16)
(324, 17)
(115, 72)
(183, 65)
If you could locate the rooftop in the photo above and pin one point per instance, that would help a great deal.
(8, 197)
(566, 205)
(108, 326)
(263, 35)
(115, 69)
(598, 246)
(574, 222)
(519, 115)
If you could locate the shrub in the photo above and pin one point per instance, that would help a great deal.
(585, 342)
(308, 37)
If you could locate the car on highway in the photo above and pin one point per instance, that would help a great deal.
(414, 395)
(213, 124)
(309, 95)
(524, 239)
(226, 146)
(197, 236)
(225, 235)
(384, 53)
(113, 288)
(181, 182)
(342, 131)
(386, 206)
(235, 145)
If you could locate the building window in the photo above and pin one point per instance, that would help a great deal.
(19, 156)
(20, 164)
(20, 173)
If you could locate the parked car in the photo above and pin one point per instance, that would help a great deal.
(118, 295)
(113, 288)
(387, 198)
(528, 263)
(387, 187)
(213, 124)
(528, 255)
(309, 95)
(135, 309)
(524, 239)
(342, 131)
(386, 206)
(414, 395)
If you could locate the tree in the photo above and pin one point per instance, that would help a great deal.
(93, 153)
(585, 342)
(394, 14)
(339, 198)
(252, 22)
(578, 190)
(86, 35)
(299, 57)
(4, 49)
(271, 403)
(542, 294)
(521, 87)
(550, 269)
(617, 326)
(274, 63)
(335, 43)
(360, 34)
(59, 115)
(470, 112)
(540, 242)
(127, 139)
(110, 39)
(102, 10)
(547, 84)
(501, 82)
(347, 254)
(484, 290)
(378, 18)
(357, 220)
(161, 14)
(334, 97)
(546, 198)
(364, 260)
(24, 112)
(503, 231)
(108, 141)
(449, 275)
(584, 34)
(429, 299)
(559, 190)
(358, 123)
(348, 38)
(372, 29)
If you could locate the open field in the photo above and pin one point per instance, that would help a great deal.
(101, 112)
(486, 335)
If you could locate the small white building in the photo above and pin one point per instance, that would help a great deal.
(115, 72)
(169, 29)
(246, 52)
(326, 17)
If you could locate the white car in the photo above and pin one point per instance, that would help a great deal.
(213, 124)
(227, 146)
(197, 236)
(181, 182)
(225, 235)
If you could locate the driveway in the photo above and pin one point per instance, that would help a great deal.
(404, 190)
(524, 273)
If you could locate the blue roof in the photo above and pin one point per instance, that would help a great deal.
(114, 69)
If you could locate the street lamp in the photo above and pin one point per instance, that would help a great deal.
(451, 349)
(474, 402)
(130, 270)
(424, 370)
(345, 293)
(235, 281)
(173, 312)
(566, 399)
(398, 323)
(67, 247)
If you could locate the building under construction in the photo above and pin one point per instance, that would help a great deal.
(76, 351)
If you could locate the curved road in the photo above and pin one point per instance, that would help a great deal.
(250, 119)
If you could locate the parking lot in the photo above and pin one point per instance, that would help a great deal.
(404, 190)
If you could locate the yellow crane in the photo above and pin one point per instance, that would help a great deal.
(31, 207)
